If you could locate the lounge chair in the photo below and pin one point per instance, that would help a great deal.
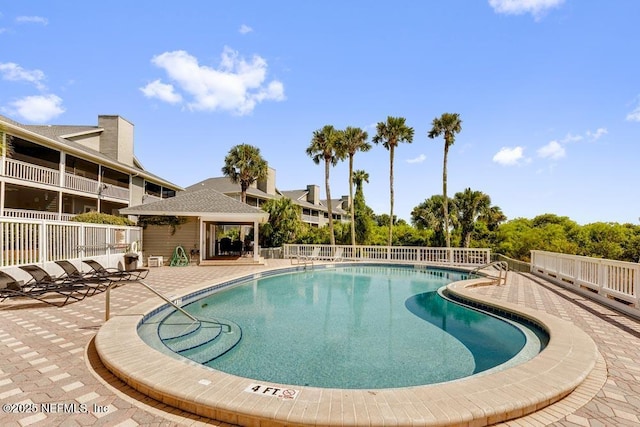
(315, 254)
(96, 281)
(115, 274)
(42, 283)
(337, 255)
(12, 288)
(302, 258)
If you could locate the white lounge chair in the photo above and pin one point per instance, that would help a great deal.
(301, 258)
(337, 255)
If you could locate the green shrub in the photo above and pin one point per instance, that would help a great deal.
(102, 218)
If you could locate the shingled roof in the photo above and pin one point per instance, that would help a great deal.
(203, 203)
(224, 185)
(58, 134)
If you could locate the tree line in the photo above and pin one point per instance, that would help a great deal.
(468, 219)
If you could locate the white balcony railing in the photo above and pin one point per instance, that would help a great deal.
(29, 214)
(42, 175)
(33, 173)
(80, 183)
(115, 192)
(311, 219)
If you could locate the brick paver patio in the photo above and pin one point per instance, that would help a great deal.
(51, 375)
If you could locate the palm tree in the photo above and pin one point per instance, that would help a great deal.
(244, 165)
(470, 206)
(429, 215)
(284, 223)
(362, 214)
(389, 134)
(360, 176)
(493, 217)
(448, 124)
(325, 145)
(353, 140)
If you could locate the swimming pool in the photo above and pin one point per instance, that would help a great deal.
(350, 327)
(483, 399)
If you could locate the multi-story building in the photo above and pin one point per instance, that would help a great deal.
(314, 210)
(55, 172)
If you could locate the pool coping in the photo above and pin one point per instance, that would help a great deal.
(479, 400)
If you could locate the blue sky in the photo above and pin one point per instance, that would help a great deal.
(548, 90)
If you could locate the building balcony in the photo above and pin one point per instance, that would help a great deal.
(31, 214)
(42, 175)
(310, 219)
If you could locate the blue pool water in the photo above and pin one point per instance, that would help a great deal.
(349, 327)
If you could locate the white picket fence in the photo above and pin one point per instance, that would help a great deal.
(406, 254)
(42, 242)
(615, 282)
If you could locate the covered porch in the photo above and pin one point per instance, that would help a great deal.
(228, 242)
(213, 229)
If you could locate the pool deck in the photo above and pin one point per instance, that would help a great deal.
(49, 357)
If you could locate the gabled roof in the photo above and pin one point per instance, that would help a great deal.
(224, 185)
(296, 195)
(207, 203)
(54, 136)
(300, 198)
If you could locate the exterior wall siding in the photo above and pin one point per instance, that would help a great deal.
(158, 240)
(136, 191)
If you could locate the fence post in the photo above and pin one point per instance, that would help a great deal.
(636, 285)
(42, 250)
(602, 277)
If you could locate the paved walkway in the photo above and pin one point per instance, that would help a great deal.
(50, 374)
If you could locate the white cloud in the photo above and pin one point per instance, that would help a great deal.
(37, 109)
(571, 138)
(244, 29)
(32, 20)
(236, 85)
(14, 72)
(537, 8)
(421, 158)
(509, 156)
(164, 92)
(552, 150)
(634, 116)
(594, 136)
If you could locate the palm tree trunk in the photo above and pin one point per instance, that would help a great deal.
(351, 208)
(326, 184)
(243, 193)
(390, 194)
(445, 202)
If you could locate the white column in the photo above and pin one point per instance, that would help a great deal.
(63, 171)
(256, 239)
(4, 154)
(2, 189)
(99, 188)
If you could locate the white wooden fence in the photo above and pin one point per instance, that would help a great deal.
(42, 242)
(613, 282)
(408, 254)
